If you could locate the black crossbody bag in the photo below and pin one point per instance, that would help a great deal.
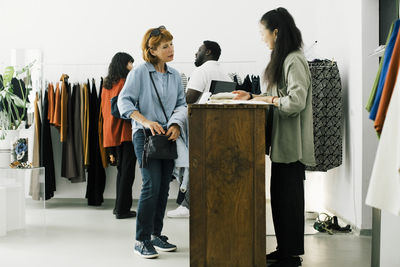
(158, 146)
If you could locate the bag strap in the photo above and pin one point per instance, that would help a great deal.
(158, 96)
(159, 99)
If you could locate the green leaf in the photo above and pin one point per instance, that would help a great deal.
(26, 68)
(18, 101)
(8, 98)
(8, 75)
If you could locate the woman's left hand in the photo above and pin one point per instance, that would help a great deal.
(266, 99)
(173, 132)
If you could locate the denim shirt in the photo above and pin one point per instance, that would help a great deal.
(138, 94)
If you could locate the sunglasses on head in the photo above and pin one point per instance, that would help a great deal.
(155, 32)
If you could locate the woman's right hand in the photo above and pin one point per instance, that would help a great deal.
(154, 127)
(241, 95)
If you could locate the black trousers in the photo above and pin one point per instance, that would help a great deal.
(125, 177)
(287, 202)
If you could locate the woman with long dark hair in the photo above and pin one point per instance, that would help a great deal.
(117, 135)
(289, 92)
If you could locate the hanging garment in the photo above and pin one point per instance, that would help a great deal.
(36, 137)
(50, 101)
(246, 85)
(181, 169)
(64, 108)
(82, 112)
(86, 88)
(46, 148)
(57, 108)
(75, 123)
(103, 153)
(385, 66)
(255, 85)
(235, 77)
(68, 163)
(34, 187)
(384, 188)
(378, 75)
(388, 87)
(184, 81)
(96, 173)
(327, 114)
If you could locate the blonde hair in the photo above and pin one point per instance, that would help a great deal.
(153, 42)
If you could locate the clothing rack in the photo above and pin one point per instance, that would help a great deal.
(220, 61)
(106, 64)
(322, 64)
(74, 64)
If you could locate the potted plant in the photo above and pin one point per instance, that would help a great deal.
(13, 106)
(13, 98)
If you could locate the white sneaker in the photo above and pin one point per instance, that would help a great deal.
(179, 212)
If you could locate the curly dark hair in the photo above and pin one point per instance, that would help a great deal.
(214, 48)
(117, 69)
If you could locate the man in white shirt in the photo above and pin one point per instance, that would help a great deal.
(208, 69)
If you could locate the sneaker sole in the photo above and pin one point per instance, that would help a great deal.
(178, 216)
(146, 256)
(165, 249)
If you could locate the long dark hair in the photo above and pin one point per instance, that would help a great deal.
(288, 40)
(117, 69)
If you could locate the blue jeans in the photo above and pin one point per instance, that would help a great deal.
(154, 195)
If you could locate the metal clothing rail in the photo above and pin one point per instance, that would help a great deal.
(74, 64)
(174, 62)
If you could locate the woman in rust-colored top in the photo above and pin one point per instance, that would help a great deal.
(117, 135)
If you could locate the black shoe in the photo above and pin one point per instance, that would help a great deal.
(130, 214)
(287, 262)
(145, 249)
(160, 242)
(114, 212)
(274, 256)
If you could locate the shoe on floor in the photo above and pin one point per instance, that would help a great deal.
(145, 249)
(130, 214)
(274, 256)
(161, 243)
(180, 212)
(287, 262)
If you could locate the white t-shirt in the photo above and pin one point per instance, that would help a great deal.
(201, 78)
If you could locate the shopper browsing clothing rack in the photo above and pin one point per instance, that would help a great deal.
(117, 135)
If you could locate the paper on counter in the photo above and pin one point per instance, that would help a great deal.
(236, 102)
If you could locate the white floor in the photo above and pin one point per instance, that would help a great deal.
(69, 233)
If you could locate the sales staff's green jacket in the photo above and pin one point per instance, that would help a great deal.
(292, 131)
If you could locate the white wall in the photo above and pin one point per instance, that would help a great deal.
(80, 37)
(349, 40)
(370, 40)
